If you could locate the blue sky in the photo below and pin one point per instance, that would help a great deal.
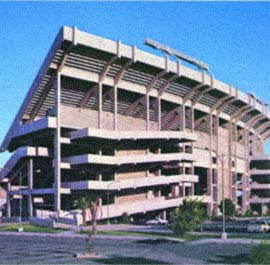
(232, 37)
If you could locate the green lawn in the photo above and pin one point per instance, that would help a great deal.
(156, 235)
(29, 228)
(251, 236)
(187, 237)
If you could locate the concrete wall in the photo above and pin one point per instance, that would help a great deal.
(82, 118)
(131, 198)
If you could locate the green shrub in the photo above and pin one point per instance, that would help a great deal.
(260, 253)
(229, 207)
(188, 216)
(125, 218)
(248, 213)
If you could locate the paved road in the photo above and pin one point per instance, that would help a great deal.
(48, 250)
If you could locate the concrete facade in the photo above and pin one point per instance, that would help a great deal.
(138, 131)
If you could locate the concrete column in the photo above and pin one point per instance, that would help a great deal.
(235, 148)
(159, 113)
(30, 187)
(192, 119)
(183, 189)
(175, 191)
(57, 145)
(163, 215)
(217, 156)
(210, 178)
(99, 105)
(183, 112)
(192, 189)
(230, 159)
(245, 175)
(100, 201)
(147, 106)
(159, 170)
(115, 104)
(8, 214)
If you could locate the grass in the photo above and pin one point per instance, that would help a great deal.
(156, 235)
(251, 236)
(187, 237)
(29, 228)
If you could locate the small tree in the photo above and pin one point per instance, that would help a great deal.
(188, 216)
(229, 206)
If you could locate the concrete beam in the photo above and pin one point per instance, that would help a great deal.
(133, 105)
(87, 96)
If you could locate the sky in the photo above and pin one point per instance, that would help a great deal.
(232, 37)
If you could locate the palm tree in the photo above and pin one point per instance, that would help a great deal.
(94, 208)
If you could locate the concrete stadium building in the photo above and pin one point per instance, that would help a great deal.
(260, 183)
(139, 131)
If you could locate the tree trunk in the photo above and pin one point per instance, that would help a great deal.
(84, 216)
(94, 210)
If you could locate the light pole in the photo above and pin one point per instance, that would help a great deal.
(108, 197)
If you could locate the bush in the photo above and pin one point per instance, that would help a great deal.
(188, 217)
(248, 213)
(125, 218)
(259, 253)
(229, 207)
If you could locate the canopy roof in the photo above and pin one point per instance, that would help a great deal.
(83, 58)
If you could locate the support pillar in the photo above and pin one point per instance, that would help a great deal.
(175, 191)
(159, 113)
(217, 161)
(192, 189)
(183, 189)
(57, 145)
(245, 175)
(192, 119)
(99, 105)
(183, 118)
(230, 159)
(30, 187)
(115, 104)
(8, 214)
(210, 172)
(159, 170)
(147, 105)
(163, 215)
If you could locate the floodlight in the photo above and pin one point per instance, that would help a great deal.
(179, 55)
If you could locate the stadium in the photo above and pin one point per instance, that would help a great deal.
(137, 131)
